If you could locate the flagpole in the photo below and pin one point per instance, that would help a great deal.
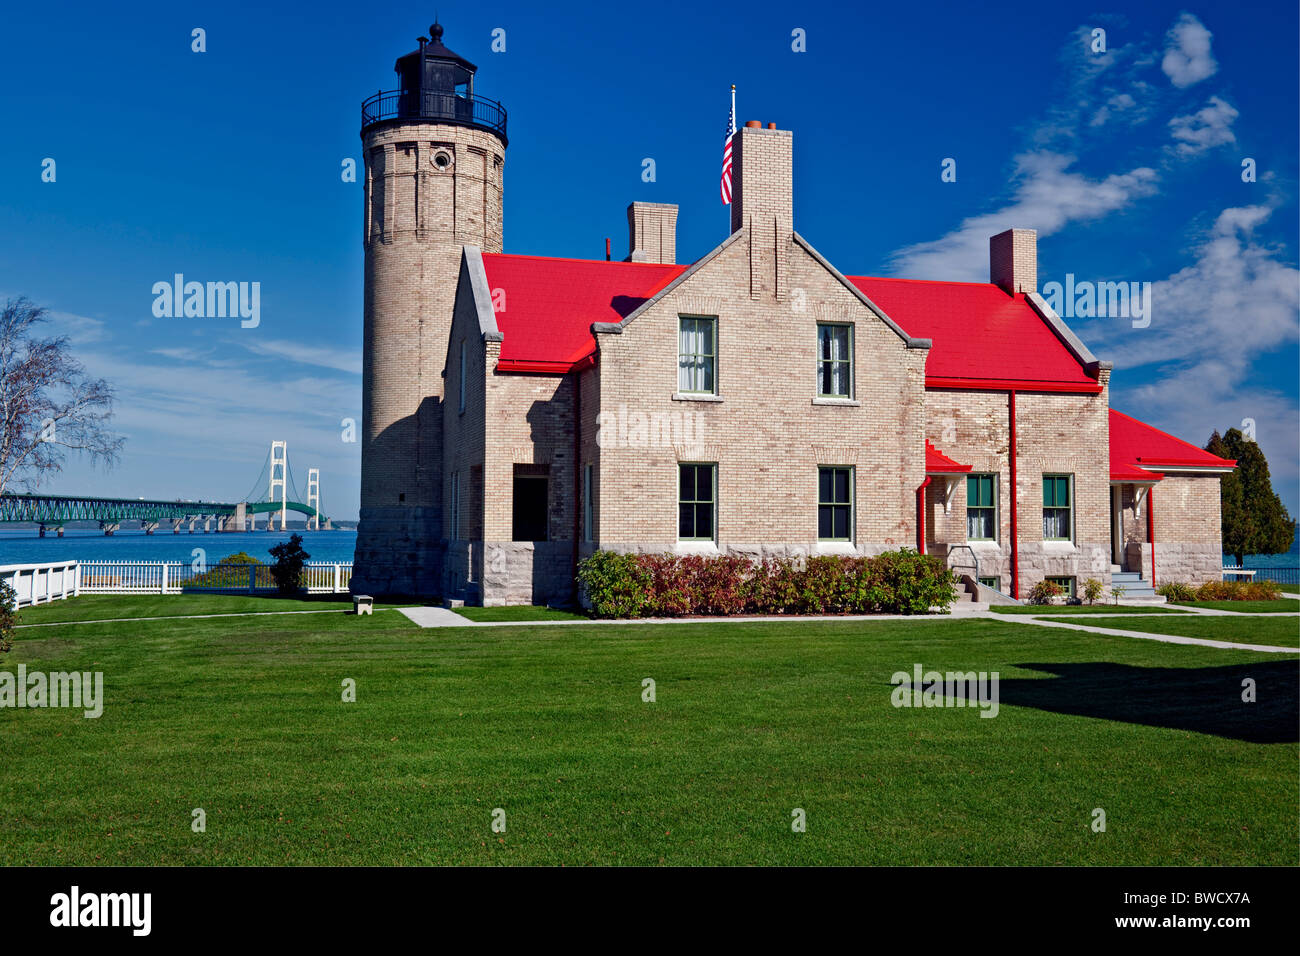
(733, 144)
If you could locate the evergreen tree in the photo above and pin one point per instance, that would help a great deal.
(1254, 519)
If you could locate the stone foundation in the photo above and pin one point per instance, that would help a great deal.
(399, 552)
(1184, 562)
(498, 573)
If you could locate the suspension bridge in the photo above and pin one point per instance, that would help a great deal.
(281, 495)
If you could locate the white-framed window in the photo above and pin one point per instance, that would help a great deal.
(697, 354)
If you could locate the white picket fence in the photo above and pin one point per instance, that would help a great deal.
(40, 583)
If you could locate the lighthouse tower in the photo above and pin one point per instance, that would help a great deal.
(434, 155)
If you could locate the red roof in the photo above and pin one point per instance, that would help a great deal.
(937, 463)
(550, 304)
(982, 336)
(1137, 451)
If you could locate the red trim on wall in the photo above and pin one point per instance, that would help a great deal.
(1003, 384)
(529, 367)
(920, 515)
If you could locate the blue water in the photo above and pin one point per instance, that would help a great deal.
(25, 547)
(1289, 559)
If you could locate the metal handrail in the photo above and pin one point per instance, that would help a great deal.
(973, 557)
(444, 106)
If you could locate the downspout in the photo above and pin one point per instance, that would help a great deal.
(1151, 534)
(920, 515)
(1015, 538)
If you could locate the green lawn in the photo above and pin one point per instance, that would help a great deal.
(517, 613)
(242, 717)
(98, 607)
(1274, 631)
(1280, 606)
(1289, 588)
(1082, 609)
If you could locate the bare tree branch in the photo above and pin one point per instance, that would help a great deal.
(48, 406)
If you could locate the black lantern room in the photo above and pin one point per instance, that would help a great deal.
(436, 85)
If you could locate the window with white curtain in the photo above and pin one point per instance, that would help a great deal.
(697, 354)
(835, 361)
(981, 508)
(1057, 508)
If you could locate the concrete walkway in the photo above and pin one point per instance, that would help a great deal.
(441, 617)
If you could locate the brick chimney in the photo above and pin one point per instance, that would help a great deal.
(1013, 260)
(652, 232)
(762, 198)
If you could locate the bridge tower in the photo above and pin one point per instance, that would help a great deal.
(434, 154)
(313, 497)
(279, 479)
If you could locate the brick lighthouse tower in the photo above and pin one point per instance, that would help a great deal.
(434, 155)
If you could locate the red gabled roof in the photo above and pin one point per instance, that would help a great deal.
(550, 304)
(983, 338)
(1138, 451)
(937, 463)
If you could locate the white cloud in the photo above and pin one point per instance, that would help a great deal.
(337, 358)
(1188, 59)
(1117, 104)
(1211, 323)
(1205, 129)
(1047, 197)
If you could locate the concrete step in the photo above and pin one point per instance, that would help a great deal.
(963, 596)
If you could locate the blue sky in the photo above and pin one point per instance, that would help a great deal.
(225, 165)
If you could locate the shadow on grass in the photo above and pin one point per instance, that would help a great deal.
(1202, 699)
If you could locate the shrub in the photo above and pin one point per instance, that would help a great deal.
(1177, 591)
(905, 582)
(720, 588)
(240, 557)
(287, 569)
(1117, 591)
(900, 582)
(8, 616)
(1044, 591)
(1261, 591)
(774, 587)
(1238, 591)
(615, 585)
(1092, 590)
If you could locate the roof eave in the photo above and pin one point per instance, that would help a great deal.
(1091, 365)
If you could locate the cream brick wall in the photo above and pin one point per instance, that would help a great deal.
(1055, 434)
(416, 218)
(766, 435)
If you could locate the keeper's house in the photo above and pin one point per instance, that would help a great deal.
(521, 412)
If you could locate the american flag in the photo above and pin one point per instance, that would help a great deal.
(726, 154)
